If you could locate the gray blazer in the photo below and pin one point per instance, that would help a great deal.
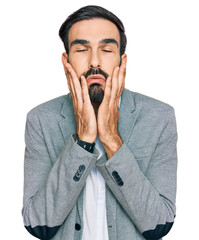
(140, 205)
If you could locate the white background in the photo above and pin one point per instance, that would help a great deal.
(163, 62)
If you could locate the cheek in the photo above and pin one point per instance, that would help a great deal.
(109, 64)
(79, 65)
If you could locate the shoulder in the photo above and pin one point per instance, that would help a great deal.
(154, 113)
(150, 109)
(149, 104)
(51, 107)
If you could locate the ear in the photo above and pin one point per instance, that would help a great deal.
(124, 59)
(64, 58)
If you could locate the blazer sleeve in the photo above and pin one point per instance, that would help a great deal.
(149, 199)
(51, 190)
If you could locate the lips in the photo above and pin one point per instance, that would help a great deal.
(95, 79)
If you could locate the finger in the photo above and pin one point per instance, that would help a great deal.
(107, 90)
(85, 94)
(69, 81)
(70, 86)
(122, 74)
(76, 84)
(68, 75)
(114, 89)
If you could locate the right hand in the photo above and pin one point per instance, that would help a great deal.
(84, 112)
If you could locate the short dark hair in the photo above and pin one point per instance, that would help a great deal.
(91, 12)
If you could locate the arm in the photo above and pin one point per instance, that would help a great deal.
(149, 199)
(51, 191)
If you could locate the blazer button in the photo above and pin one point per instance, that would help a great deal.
(117, 178)
(115, 174)
(79, 172)
(75, 178)
(77, 226)
(82, 168)
(120, 183)
(78, 175)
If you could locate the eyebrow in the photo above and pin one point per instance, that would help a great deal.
(103, 41)
(109, 40)
(79, 41)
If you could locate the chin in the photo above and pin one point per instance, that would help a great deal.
(96, 93)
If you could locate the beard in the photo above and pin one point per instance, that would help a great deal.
(95, 90)
(96, 93)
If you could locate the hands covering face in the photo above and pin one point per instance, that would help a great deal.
(106, 123)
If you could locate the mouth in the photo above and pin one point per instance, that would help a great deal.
(95, 79)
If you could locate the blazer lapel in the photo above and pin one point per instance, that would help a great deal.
(128, 115)
(67, 124)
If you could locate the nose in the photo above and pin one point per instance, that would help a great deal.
(94, 60)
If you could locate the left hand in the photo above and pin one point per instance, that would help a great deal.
(108, 113)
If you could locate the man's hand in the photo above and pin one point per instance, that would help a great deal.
(108, 113)
(83, 109)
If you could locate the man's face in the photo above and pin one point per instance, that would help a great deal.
(94, 51)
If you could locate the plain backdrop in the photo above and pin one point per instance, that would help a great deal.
(163, 62)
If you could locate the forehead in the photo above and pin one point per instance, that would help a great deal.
(93, 30)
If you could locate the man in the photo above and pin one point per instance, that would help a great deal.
(100, 162)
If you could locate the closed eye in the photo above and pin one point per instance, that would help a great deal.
(107, 51)
(81, 50)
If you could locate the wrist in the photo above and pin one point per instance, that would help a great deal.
(108, 139)
(84, 144)
(112, 145)
(88, 139)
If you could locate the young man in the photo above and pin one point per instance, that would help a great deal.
(100, 162)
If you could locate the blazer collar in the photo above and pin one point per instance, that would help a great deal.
(67, 107)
